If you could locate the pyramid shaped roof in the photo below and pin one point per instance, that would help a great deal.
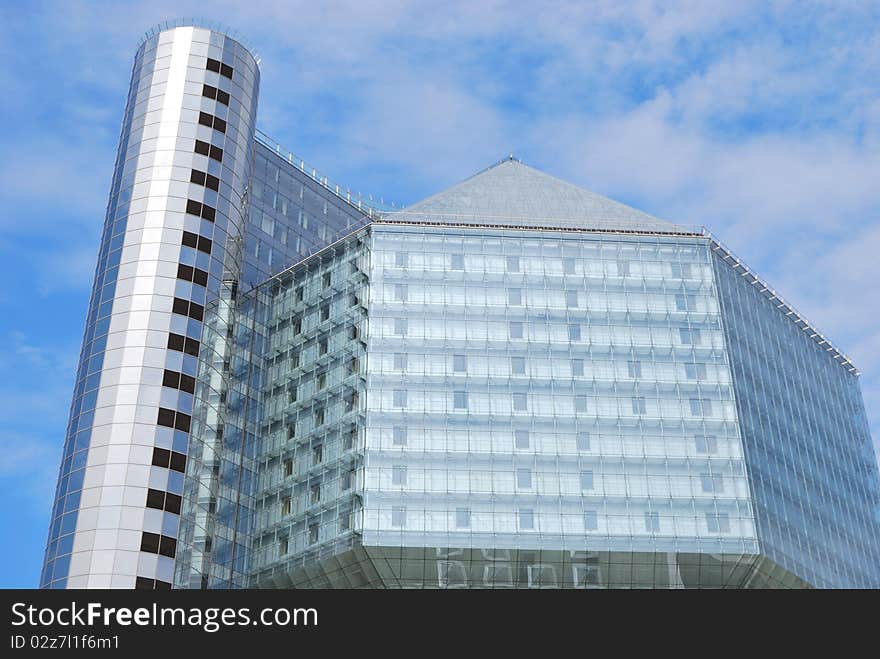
(513, 194)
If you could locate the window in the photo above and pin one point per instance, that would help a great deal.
(401, 259)
(401, 292)
(318, 452)
(285, 506)
(196, 241)
(583, 441)
(524, 478)
(400, 361)
(398, 436)
(195, 275)
(187, 308)
(398, 516)
(314, 533)
(323, 345)
(712, 482)
(695, 371)
(638, 405)
(298, 294)
(154, 543)
(219, 67)
(706, 444)
(206, 149)
(315, 493)
(400, 326)
(319, 417)
(400, 398)
(460, 400)
(526, 519)
(519, 402)
(325, 313)
(398, 475)
(211, 121)
(718, 522)
(345, 520)
(568, 265)
(291, 430)
(169, 459)
(521, 438)
(163, 501)
(216, 94)
(591, 521)
(347, 479)
(516, 329)
(512, 264)
(173, 419)
(689, 336)
(518, 365)
(652, 522)
(684, 302)
(701, 407)
(574, 332)
(462, 518)
(680, 270)
(514, 296)
(577, 367)
(456, 261)
(321, 380)
(634, 369)
(586, 480)
(183, 344)
(459, 363)
(181, 381)
(200, 210)
(282, 547)
(325, 280)
(580, 404)
(571, 299)
(287, 467)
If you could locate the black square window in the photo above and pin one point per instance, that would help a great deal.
(176, 342)
(213, 65)
(180, 306)
(182, 421)
(196, 311)
(200, 277)
(191, 347)
(171, 379)
(212, 182)
(216, 153)
(161, 457)
(206, 119)
(150, 542)
(202, 148)
(226, 70)
(166, 417)
(197, 177)
(162, 585)
(178, 462)
(190, 239)
(187, 383)
(185, 272)
(219, 125)
(172, 503)
(193, 207)
(204, 245)
(155, 499)
(142, 583)
(167, 546)
(222, 97)
(209, 91)
(208, 213)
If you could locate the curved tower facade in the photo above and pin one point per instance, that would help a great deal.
(170, 251)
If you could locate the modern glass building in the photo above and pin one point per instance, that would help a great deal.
(515, 383)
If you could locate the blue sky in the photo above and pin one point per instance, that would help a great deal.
(760, 120)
